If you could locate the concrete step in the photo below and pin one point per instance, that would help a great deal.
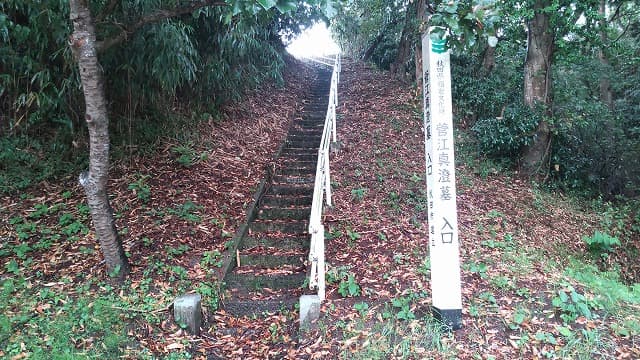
(304, 144)
(290, 149)
(290, 190)
(278, 213)
(311, 124)
(251, 282)
(296, 171)
(294, 179)
(305, 136)
(299, 165)
(317, 104)
(295, 151)
(284, 201)
(289, 157)
(270, 261)
(284, 243)
(321, 91)
(314, 114)
(240, 302)
(279, 226)
(304, 133)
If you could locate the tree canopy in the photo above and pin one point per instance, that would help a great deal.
(587, 79)
(163, 52)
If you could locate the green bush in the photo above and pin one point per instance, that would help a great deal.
(505, 136)
(601, 243)
(595, 148)
(481, 97)
(25, 161)
(596, 154)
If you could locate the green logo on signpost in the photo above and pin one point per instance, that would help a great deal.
(439, 46)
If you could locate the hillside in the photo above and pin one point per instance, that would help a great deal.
(530, 287)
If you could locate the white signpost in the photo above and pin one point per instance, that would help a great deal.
(444, 249)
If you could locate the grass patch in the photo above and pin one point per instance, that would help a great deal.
(392, 331)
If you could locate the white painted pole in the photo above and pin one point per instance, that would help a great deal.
(327, 184)
(333, 122)
(321, 266)
(444, 249)
(313, 256)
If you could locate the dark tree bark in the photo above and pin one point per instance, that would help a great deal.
(399, 65)
(537, 84)
(423, 26)
(366, 55)
(94, 182)
(374, 44)
(488, 61)
(606, 94)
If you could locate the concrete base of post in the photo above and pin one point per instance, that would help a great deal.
(452, 318)
(309, 311)
(187, 311)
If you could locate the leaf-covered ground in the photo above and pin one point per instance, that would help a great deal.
(528, 289)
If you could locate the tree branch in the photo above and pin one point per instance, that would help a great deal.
(154, 17)
(107, 11)
(615, 13)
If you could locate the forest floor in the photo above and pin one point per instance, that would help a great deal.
(530, 287)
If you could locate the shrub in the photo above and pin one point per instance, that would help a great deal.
(596, 154)
(504, 136)
(601, 243)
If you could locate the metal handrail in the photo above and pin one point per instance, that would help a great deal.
(322, 188)
(324, 60)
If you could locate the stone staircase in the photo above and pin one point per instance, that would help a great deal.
(273, 246)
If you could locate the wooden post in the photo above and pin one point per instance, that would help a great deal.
(444, 249)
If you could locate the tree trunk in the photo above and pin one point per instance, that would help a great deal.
(605, 83)
(399, 65)
(488, 61)
(367, 53)
(83, 44)
(423, 26)
(537, 84)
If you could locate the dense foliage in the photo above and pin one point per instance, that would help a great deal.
(195, 61)
(370, 29)
(594, 141)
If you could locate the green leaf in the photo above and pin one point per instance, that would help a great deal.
(519, 317)
(267, 4)
(353, 288)
(565, 331)
(584, 310)
(563, 296)
(286, 6)
(12, 267)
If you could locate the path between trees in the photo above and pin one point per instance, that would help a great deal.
(266, 267)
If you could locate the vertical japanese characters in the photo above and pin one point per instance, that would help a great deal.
(441, 190)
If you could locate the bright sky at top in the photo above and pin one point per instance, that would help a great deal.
(314, 41)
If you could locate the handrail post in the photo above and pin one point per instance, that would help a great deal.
(313, 258)
(327, 184)
(336, 69)
(333, 122)
(321, 265)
